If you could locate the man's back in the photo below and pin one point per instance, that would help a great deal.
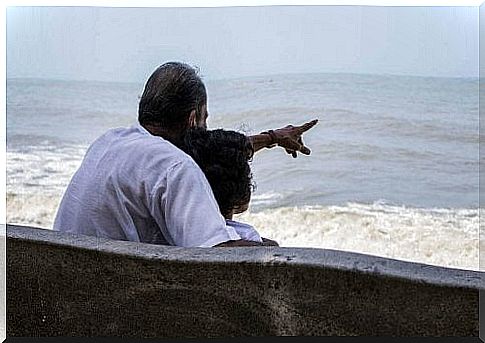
(130, 186)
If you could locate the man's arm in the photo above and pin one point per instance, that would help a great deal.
(270, 242)
(288, 137)
(243, 243)
(185, 208)
(261, 140)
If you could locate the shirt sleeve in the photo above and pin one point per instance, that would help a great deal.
(246, 231)
(186, 205)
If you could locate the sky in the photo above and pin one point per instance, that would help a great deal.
(127, 44)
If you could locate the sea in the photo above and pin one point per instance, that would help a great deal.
(393, 169)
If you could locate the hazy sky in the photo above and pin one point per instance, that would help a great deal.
(127, 44)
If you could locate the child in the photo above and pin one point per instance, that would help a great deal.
(224, 158)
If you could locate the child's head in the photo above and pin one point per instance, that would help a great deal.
(224, 158)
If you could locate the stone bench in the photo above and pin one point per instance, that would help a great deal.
(70, 285)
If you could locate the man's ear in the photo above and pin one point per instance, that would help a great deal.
(193, 119)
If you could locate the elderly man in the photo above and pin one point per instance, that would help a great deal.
(135, 184)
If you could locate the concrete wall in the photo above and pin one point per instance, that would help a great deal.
(68, 285)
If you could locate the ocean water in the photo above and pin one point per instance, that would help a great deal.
(393, 170)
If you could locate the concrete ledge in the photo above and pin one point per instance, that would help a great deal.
(68, 285)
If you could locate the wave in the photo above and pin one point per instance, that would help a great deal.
(37, 210)
(438, 236)
(43, 168)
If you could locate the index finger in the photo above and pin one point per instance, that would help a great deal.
(306, 126)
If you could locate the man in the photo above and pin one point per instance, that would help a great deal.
(135, 184)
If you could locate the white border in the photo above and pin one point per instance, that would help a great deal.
(232, 3)
(148, 3)
(3, 181)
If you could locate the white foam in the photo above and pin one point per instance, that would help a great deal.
(43, 169)
(266, 198)
(438, 236)
(445, 237)
(37, 210)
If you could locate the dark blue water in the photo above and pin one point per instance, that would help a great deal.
(403, 140)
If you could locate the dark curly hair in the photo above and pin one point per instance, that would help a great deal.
(224, 158)
(172, 91)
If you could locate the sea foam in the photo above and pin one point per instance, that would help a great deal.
(438, 236)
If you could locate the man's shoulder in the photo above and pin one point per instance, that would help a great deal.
(125, 134)
(134, 137)
(133, 147)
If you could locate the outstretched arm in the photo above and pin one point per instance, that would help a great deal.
(261, 140)
(288, 137)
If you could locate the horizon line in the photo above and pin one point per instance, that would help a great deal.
(207, 78)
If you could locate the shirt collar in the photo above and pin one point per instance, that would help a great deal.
(141, 129)
(144, 131)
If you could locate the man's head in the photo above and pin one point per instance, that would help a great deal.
(224, 158)
(174, 99)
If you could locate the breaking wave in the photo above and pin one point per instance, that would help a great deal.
(438, 236)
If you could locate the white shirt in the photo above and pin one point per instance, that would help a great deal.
(246, 231)
(134, 186)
